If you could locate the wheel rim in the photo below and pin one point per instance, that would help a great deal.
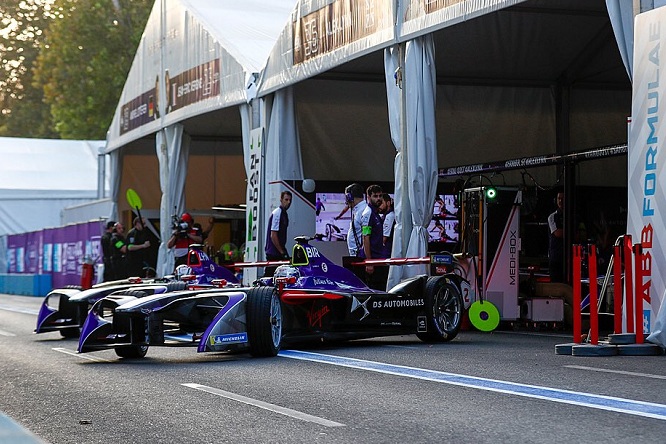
(276, 320)
(447, 310)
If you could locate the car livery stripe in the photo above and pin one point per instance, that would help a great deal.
(620, 405)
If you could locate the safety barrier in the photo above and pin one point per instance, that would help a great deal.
(626, 268)
(25, 284)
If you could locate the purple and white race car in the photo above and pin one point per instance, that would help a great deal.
(311, 299)
(65, 309)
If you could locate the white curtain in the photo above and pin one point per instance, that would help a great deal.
(283, 162)
(115, 167)
(173, 150)
(283, 149)
(621, 13)
(416, 164)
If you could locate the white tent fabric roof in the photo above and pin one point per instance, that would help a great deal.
(195, 56)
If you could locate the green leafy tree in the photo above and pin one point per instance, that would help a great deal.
(83, 63)
(22, 109)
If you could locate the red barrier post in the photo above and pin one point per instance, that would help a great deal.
(638, 279)
(617, 289)
(576, 294)
(594, 309)
(628, 284)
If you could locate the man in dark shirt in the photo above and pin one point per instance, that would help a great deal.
(118, 251)
(276, 237)
(106, 251)
(137, 245)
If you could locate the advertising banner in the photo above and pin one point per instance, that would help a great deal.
(59, 252)
(646, 220)
(253, 165)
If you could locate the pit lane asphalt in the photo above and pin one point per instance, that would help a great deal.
(50, 390)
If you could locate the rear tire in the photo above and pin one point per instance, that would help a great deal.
(131, 351)
(264, 321)
(445, 306)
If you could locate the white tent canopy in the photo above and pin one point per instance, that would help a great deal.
(195, 56)
(39, 178)
(512, 79)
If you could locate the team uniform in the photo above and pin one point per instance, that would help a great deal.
(355, 233)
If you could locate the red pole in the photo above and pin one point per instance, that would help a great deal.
(628, 284)
(576, 294)
(617, 289)
(638, 278)
(594, 309)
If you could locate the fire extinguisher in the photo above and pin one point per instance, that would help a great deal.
(87, 274)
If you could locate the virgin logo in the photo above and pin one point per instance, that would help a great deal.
(315, 316)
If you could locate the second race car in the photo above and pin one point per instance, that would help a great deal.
(65, 309)
(311, 299)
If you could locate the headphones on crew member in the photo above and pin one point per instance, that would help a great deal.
(353, 191)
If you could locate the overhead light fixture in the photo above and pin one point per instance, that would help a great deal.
(239, 207)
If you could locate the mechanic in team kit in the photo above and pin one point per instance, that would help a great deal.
(106, 251)
(388, 216)
(372, 228)
(118, 252)
(276, 237)
(354, 200)
(137, 245)
(184, 235)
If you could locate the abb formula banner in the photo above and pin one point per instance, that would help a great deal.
(646, 215)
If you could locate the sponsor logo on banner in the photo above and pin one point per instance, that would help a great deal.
(138, 111)
(194, 85)
(338, 24)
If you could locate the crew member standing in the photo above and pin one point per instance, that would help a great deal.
(354, 200)
(556, 241)
(388, 213)
(137, 243)
(182, 237)
(373, 238)
(276, 237)
(118, 252)
(106, 251)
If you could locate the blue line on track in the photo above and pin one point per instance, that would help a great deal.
(621, 405)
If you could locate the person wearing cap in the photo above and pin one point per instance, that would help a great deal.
(182, 237)
(106, 251)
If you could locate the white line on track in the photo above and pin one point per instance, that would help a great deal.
(78, 355)
(619, 372)
(6, 333)
(265, 405)
(29, 311)
(601, 402)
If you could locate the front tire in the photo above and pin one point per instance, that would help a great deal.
(131, 351)
(264, 321)
(445, 306)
